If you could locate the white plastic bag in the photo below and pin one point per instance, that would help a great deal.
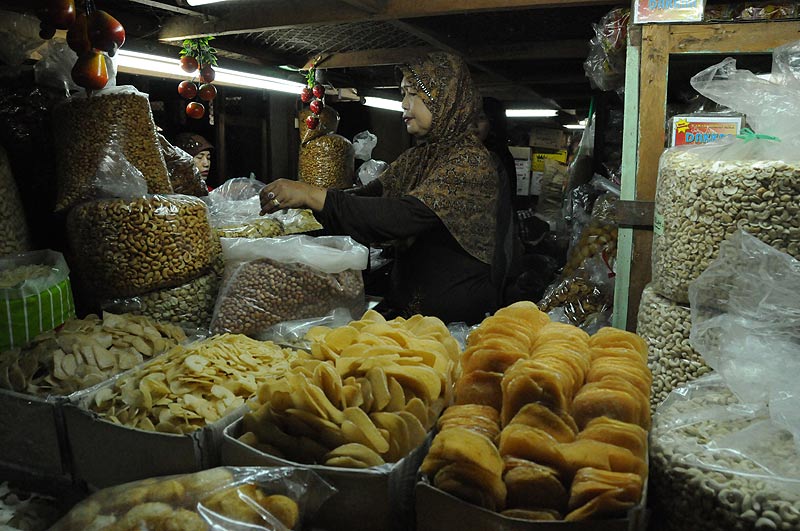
(363, 144)
(746, 325)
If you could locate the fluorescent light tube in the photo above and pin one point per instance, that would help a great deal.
(531, 113)
(147, 64)
(383, 103)
(575, 126)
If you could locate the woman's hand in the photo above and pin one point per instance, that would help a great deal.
(284, 193)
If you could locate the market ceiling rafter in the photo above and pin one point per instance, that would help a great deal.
(253, 17)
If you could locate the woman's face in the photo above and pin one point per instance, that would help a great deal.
(416, 114)
(202, 162)
(482, 126)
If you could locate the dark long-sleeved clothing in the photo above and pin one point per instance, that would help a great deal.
(433, 274)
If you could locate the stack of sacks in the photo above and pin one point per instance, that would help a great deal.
(573, 411)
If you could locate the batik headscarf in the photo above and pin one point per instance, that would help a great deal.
(449, 171)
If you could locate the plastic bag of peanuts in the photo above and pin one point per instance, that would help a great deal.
(231, 498)
(326, 159)
(184, 176)
(272, 280)
(85, 125)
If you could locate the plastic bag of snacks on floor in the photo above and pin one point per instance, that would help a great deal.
(84, 352)
(35, 294)
(549, 423)
(270, 280)
(234, 499)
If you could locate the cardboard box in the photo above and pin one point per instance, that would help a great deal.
(366, 500)
(32, 434)
(549, 138)
(440, 511)
(539, 158)
(536, 182)
(105, 454)
(522, 161)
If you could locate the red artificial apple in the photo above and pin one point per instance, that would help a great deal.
(195, 110)
(59, 14)
(316, 106)
(306, 95)
(207, 92)
(188, 64)
(319, 91)
(187, 89)
(312, 122)
(105, 32)
(207, 74)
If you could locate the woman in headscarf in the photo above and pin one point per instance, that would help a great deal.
(439, 198)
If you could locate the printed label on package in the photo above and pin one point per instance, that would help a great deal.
(658, 224)
(646, 11)
(690, 130)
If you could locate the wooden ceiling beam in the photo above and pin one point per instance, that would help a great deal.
(375, 57)
(254, 17)
(539, 50)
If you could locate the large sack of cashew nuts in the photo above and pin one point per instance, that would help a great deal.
(85, 126)
(749, 182)
(126, 247)
(271, 280)
(12, 216)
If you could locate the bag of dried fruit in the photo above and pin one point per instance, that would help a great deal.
(747, 181)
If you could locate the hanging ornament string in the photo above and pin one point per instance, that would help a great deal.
(198, 54)
(313, 94)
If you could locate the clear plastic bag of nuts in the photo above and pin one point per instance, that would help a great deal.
(587, 292)
(750, 182)
(126, 247)
(13, 225)
(326, 159)
(85, 125)
(718, 464)
(273, 280)
(184, 176)
(665, 326)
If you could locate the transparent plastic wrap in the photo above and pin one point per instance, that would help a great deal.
(125, 247)
(55, 67)
(271, 280)
(605, 64)
(598, 237)
(84, 352)
(327, 161)
(665, 326)
(585, 293)
(230, 498)
(363, 144)
(371, 170)
(86, 125)
(184, 176)
(328, 124)
(36, 295)
(746, 324)
(19, 36)
(297, 220)
(705, 193)
(13, 225)
(551, 197)
(190, 305)
(234, 211)
(718, 464)
(773, 10)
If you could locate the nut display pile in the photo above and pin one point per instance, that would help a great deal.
(727, 492)
(549, 423)
(190, 304)
(125, 248)
(369, 396)
(327, 161)
(191, 386)
(596, 238)
(13, 226)
(665, 326)
(176, 503)
(703, 202)
(84, 352)
(262, 293)
(86, 125)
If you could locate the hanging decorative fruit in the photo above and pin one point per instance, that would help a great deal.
(198, 53)
(195, 110)
(313, 94)
(91, 34)
(187, 89)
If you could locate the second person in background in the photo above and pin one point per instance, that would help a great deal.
(438, 201)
